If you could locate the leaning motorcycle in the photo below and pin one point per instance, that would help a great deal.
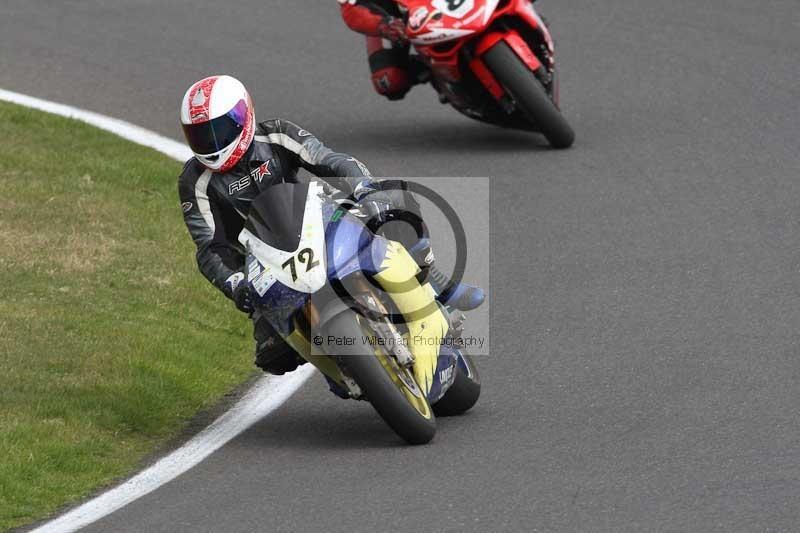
(492, 60)
(356, 305)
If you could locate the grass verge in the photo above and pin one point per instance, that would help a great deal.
(110, 340)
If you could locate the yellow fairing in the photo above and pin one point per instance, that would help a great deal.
(427, 325)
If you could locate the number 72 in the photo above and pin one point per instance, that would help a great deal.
(304, 256)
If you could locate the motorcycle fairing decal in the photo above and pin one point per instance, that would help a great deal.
(304, 268)
(261, 279)
(427, 325)
(445, 373)
(439, 36)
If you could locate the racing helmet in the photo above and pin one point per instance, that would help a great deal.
(218, 121)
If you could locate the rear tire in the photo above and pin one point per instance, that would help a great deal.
(462, 394)
(529, 94)
(362, 364)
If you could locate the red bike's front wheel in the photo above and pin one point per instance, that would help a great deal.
(529, 95)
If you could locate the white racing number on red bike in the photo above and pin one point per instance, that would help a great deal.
(460, 22)
(454, 8)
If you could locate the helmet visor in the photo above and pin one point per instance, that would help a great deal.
(213, 135)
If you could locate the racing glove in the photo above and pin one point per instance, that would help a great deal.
(373, 201)
(239, 292)
(394, 29)
(380, 202)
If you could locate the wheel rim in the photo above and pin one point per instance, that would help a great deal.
(404, 381)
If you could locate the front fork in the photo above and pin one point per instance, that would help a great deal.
(546, 72)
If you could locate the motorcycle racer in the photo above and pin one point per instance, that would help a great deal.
(235, 158)
(394, 70)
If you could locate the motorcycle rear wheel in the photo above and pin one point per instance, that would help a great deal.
(528, 93)
(391, 389)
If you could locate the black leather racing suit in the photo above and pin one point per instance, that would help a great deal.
(215, 207)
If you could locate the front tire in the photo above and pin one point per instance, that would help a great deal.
(532, 100)
(406, 411)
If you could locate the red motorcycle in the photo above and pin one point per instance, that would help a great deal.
(492, 60)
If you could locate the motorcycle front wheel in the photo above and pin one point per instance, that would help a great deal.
(529, 95)
(391, 389)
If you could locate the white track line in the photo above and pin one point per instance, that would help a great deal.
(265, 396)
(126, 130)
(268, 394)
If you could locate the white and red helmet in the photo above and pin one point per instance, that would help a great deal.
(218, 121)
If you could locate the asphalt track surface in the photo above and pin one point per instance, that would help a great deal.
(645, 323)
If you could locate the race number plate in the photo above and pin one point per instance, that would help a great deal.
(454, 8)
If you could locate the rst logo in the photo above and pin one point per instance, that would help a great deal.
(256, 175)
(239, 185)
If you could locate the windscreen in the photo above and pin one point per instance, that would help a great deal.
(276, 215)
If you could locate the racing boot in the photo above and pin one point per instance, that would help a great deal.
(273, 355)
(461, 296)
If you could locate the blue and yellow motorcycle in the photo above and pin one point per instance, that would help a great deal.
(358, 307)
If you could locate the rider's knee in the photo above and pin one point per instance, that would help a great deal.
(391, 82)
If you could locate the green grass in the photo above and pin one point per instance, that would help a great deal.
(110, 340)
